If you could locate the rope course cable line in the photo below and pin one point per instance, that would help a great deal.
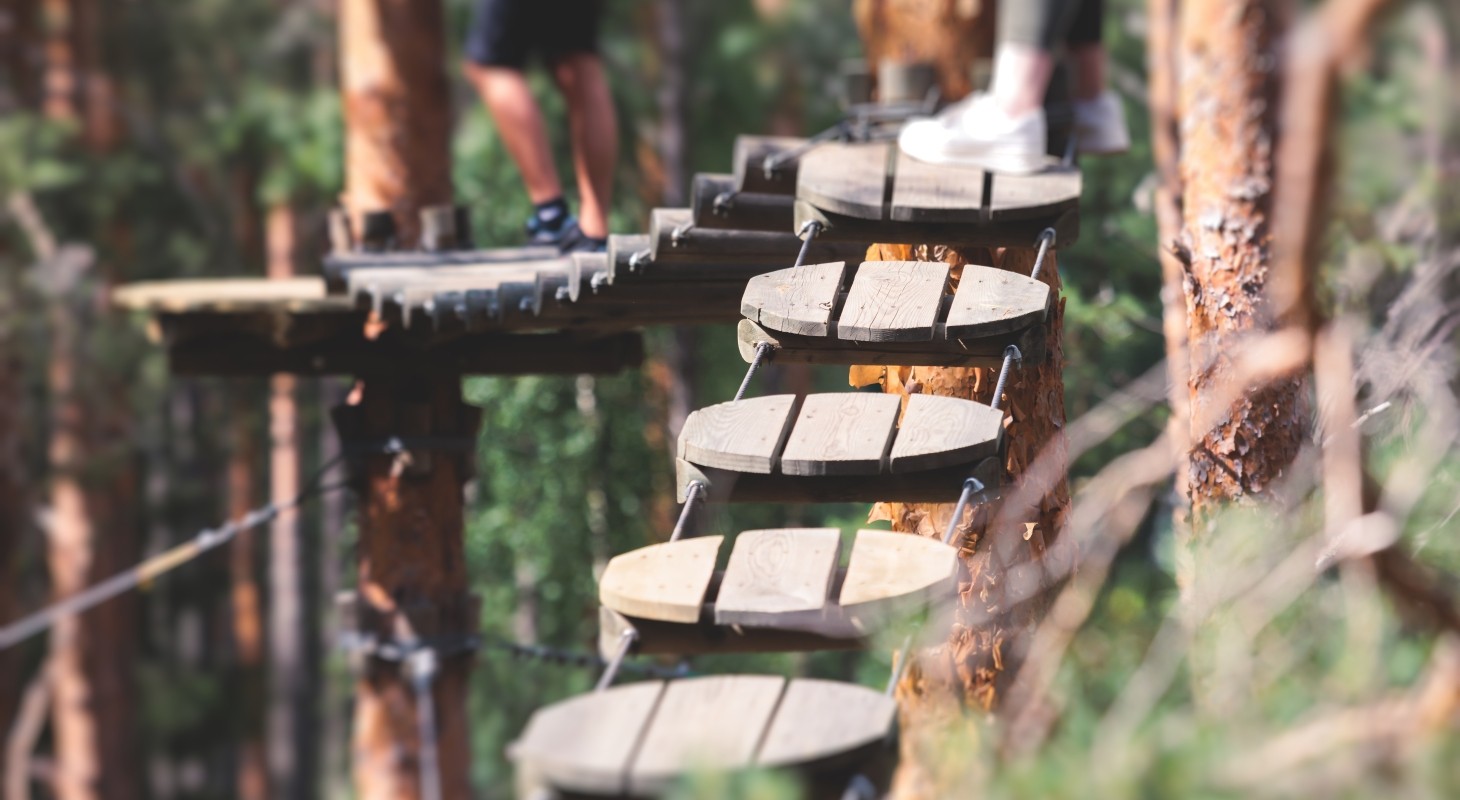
(149, 569)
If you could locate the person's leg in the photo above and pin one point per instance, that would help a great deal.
(1087, 51)
(507, 96)
(593, 130)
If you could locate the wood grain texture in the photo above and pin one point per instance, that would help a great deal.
(621, 250)
(1017, 197)
(923, 192)
(991, 301)
(741, 211)
(891, 574)
(986, 351)
(800, 300)
(745, 436)
(932, 486)
(711, 253)
(666, 581)
(711, 723)
(585, 743)
(846, 179)
(894, 301)
(840, 434)
(1004, 233)
(748, 159)
(656, 637)
(938, 431)
(779, 578)
(820, 721)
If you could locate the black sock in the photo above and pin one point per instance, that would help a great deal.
(551, 214)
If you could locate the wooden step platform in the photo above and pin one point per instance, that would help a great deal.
(782, 590)
(894, 312)
(749, 164)
(337, 266)
(639, 739)
(873, 192)
(717, 204)
(681, 250)
(840, 448)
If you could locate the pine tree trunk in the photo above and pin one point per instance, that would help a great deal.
(14, 494)
(252, 782)
(411, 547)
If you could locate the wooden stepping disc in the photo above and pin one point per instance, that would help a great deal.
(745, 436)
(818, 717)
(585, 743)
(985, 351)
(941, 431)
(666, 581)
(846, 178)
(894, 301)
(682, 250)
(711, 723)
(779, 578)
(801, 300)
(841, 434)
(992, 301)
(749, 164)
(717, 204)
(891, 573)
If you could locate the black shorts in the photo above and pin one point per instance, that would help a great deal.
(506, 33)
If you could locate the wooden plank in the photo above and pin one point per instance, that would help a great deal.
(848, 179)
(933, 486)
(840, 434)
(585, 743)
(923, 192)
(894, 301)
(621, 251)
(656, 637)
(779, 578)
(990, 301)
(1016, 197)
(983, 352)
(231, 296)
(1004, 233)
(585, 269)
(716, 203)
(821, 721)
(893, 574)
(941, 431)
(800, 300)
(712, 254)
(337, 266)
(746, 435)
(748, 161)
(668, 581)
(710, 723)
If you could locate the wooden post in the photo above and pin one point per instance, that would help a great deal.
(984, 646)
(411, 549)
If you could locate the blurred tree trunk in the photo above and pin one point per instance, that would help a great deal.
(248, 623)
(411, 546)
(1226, 109)
(291, 721)
(986, 641)
(92, 488)
(14, 490)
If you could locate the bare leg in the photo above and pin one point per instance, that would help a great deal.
(1089, 68)
(509, 99)
(1021, 75)
(593, 129)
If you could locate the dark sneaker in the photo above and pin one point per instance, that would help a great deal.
(561, 230)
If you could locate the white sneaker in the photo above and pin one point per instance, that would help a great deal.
(978, 133)
(1100, 128)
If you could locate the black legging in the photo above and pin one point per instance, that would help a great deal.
(1047, 24)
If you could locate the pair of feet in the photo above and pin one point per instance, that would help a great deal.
(977, 132)
(562, 233)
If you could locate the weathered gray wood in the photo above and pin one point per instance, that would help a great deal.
(923, 192)
(942, 431)
(894, 301)
(819, 721)
(779, 578)
(749, 159)
(992, 301)
(711, 723)
(716, 203)
(655, 637)
(586, 743)
(934, 486)
(585, 269)
(668, 581)
(846, 179)
(800, 300)
(1004, 233)
(746, 435)
(893, 574)
(840, 434)
(711, 254)
(983, 352)
(1018, 197)
(337, 266)
(622, 252)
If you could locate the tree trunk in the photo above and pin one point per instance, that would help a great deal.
(14, 494)
(252, 781)
(1227, 59)
(411, 548)
(985, 643)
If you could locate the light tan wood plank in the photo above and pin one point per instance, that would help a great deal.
(746, 435)
(662, 581)
(1014, 197)
(820, 720)
(894, 301)
(923, 192)
(841, 434)
(231, 296)
(941, 431)
(798, 300)
(779, 578)
(585, 743)
(992, 301)
(845, 178)
(711, 723)
(892, 574)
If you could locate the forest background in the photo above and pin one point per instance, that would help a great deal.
(226, 140)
